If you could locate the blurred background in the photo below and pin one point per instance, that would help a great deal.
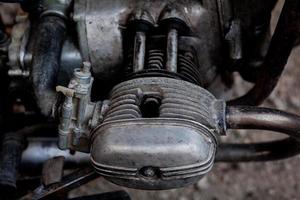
(240, 181)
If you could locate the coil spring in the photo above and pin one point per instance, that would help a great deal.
(187, 66)
(155, 60)
(188, 69)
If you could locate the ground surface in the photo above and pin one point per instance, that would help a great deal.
(273, 180)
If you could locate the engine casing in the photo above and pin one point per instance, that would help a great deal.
(172, 148)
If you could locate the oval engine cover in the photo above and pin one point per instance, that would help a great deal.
(157, 133)
(153, 153)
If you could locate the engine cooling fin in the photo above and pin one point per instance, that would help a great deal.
(158, 133)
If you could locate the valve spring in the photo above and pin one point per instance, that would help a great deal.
(187, 67)
(155, 60)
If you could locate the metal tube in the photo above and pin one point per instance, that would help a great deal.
(282, 43)
(172, 50)
(258, 152)
(246, 117)
(139, 51)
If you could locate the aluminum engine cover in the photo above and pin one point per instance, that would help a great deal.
(173, 149)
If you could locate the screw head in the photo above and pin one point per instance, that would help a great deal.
(149, 172)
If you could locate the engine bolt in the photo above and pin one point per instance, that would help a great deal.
(149, 172)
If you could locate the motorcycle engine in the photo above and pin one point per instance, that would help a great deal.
(135, 80)
(159, 127)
